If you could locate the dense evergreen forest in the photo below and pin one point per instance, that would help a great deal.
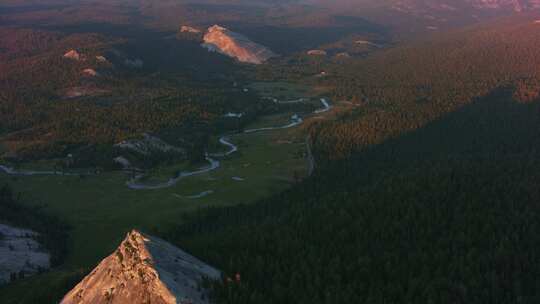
(428, 193)
(403, 89)
(42, 115)
(396, 224)
(441, 232)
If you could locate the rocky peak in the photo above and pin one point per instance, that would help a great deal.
(224, 41)
(90, 72)
(189, 29)
(144, 269)
(73, 54)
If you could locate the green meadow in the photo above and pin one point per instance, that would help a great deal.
(101, 209)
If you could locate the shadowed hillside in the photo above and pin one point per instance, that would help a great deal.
(403, 89)
(445, 214)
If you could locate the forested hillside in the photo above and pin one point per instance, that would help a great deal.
(427, 160)
(52, 104)
(403, 89)
(456, 232)
(429, 194)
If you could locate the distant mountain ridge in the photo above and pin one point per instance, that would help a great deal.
(511, 5)
(517, 5)
(416, 16)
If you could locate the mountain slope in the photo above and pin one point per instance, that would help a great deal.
(144, 269)
(442, 209)
(405, 88)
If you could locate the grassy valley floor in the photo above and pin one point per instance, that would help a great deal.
(101, 209)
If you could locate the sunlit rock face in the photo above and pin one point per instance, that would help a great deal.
(189, 29)
(73, 54)
(224, 41)
(90, 72)
(144, 269)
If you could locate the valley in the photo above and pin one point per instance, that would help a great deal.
(266, 157)
(308, 151)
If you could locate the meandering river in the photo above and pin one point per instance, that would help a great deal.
(137, 182)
